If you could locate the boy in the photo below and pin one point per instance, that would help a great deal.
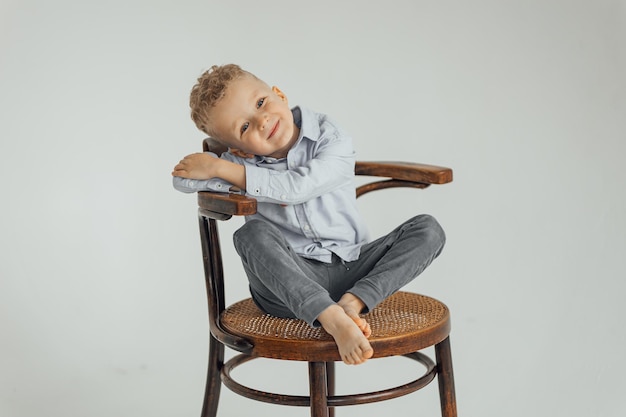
(306, 250)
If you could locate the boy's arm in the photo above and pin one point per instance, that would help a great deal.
(194, 172)
(331, 168)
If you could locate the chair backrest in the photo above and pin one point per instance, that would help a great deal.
(222, 206)
(213, 145)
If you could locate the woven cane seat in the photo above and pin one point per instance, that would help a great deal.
(405, 322)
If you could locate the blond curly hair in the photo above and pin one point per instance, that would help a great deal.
(209, 90)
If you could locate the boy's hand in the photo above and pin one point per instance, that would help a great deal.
(197, 166)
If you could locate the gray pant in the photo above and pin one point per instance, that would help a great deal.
(284, 284)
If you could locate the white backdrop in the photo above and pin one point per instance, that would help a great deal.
(102, 308)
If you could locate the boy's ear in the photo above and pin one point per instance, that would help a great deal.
(279, 93)
(240, 153)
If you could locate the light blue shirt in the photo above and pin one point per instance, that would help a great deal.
(309, 195)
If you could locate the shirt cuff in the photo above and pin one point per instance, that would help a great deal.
(187, 185)
(257, 181)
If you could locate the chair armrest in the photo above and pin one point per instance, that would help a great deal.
(402, 174)
(405, 171)
(226, 203)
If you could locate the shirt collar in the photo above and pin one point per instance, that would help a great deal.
(307, 121)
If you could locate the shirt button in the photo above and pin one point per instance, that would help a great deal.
(257, 190)
(283, 197)
(306, 227)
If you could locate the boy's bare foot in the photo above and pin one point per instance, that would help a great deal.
(352, 305)
(353, 346)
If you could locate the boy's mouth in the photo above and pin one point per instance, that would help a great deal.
(274, 129)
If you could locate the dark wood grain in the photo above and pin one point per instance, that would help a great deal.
(227, 203)
(405, 171)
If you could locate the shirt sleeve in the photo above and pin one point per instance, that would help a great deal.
(187, 185)
(331, 166)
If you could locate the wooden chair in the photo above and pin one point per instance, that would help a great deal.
(403, 324)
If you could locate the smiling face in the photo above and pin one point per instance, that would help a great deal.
(253, 118)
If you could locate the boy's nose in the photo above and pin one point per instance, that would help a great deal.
(261, 121)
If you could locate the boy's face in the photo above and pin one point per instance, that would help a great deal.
(254, 119)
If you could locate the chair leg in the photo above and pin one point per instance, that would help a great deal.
(214, 382)
(330, 383)
(317, 388)
(445, 377)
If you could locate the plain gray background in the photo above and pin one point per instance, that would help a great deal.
(102, 308)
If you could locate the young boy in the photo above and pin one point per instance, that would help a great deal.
(306, 251)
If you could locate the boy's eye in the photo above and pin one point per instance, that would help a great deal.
(260, 103)
(245, 127)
